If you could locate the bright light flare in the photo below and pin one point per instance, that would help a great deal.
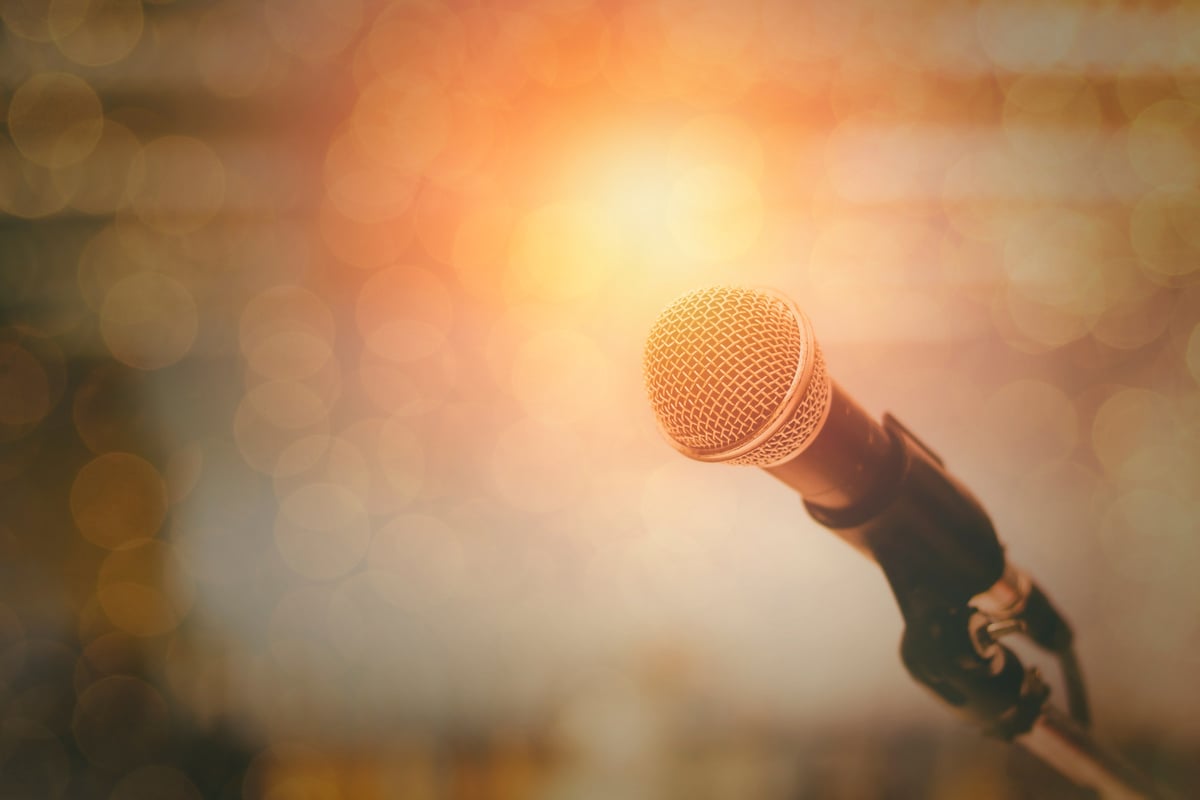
(633, 184)
(682, 196)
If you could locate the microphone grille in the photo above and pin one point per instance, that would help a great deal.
(735, 375)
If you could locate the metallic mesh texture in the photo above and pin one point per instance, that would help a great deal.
(803, 425)
(719, 363)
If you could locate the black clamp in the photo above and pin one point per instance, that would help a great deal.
(949, 651)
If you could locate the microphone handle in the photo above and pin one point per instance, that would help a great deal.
(888, 494)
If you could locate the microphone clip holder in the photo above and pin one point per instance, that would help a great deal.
(950, 651)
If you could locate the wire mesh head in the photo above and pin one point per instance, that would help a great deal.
(735, 375)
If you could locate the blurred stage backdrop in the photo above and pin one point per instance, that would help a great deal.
(326, 469)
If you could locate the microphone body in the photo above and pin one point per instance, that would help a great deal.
(845, 459)
(893, 499)
(736, 375)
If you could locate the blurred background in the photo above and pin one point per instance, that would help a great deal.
(326, 471)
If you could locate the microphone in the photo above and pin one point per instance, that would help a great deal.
(736, 375)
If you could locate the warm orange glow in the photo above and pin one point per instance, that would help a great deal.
(322, 423)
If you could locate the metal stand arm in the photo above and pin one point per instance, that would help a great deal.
(1058, 740)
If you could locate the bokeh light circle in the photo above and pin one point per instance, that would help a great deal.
(716, 212)
(27, 19)
(402, 126)
(1149, 535)
(536, 467)
(55, 119)
(1014, 42)
(273, 415)
(559, 253)
(117, 498)
(108, 258)
(404, 313)
(1130, 433)
(561, 376)
(322, 459)
(24, 387)
(1052, 120)
(1163, 142)
(236, 56)
(558, 52)
(678, 500)
(322, 530)
(479, 248)
(418, 561)
(363, 243)
(97, 410)
(1164, 233)
(31, 191)
(111, 653)
(364, 190)
(301, 641)
(143, 588)
(121, 722)
(395, 459)
(93, 33)
(314, 30)
(1193, 353)
(96, 184)
(176, 184)
(1026, 424)
(286, 333)
(35, 762)
(427, 41)
(149, 321)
